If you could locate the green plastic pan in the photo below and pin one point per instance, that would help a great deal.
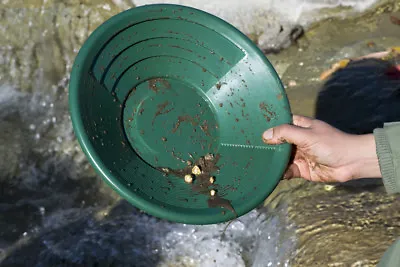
(169, 104)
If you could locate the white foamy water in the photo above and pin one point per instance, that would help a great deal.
(253, 240)
(245, 12)
(130, 238)
(272, 21)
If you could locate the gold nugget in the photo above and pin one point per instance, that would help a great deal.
(188, 178)
(196, 170)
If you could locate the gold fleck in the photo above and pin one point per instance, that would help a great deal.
(209, 157)
(329, 188)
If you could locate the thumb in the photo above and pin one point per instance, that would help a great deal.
(287, 133)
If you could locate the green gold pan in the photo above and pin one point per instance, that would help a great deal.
(163, 92)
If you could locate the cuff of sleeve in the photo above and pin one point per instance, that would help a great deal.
(385, 159)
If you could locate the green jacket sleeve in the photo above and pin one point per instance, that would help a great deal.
(391, 258)
(388, 150)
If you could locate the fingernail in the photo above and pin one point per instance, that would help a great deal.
(267, 135)
(288, 174)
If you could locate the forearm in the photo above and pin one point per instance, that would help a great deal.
(366, 164)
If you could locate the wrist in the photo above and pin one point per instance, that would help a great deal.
(367, 164)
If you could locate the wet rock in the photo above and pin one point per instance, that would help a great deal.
(13, 137)
(12, 142)
(274, 40)
(55, 30)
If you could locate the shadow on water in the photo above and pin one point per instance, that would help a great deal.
(359, 98)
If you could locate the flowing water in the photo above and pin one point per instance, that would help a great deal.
(54, 210)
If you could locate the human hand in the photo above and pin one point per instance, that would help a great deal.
(323, 153)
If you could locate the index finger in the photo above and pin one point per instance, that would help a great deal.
(302, 121)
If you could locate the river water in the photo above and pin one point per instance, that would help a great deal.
(54, 210)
